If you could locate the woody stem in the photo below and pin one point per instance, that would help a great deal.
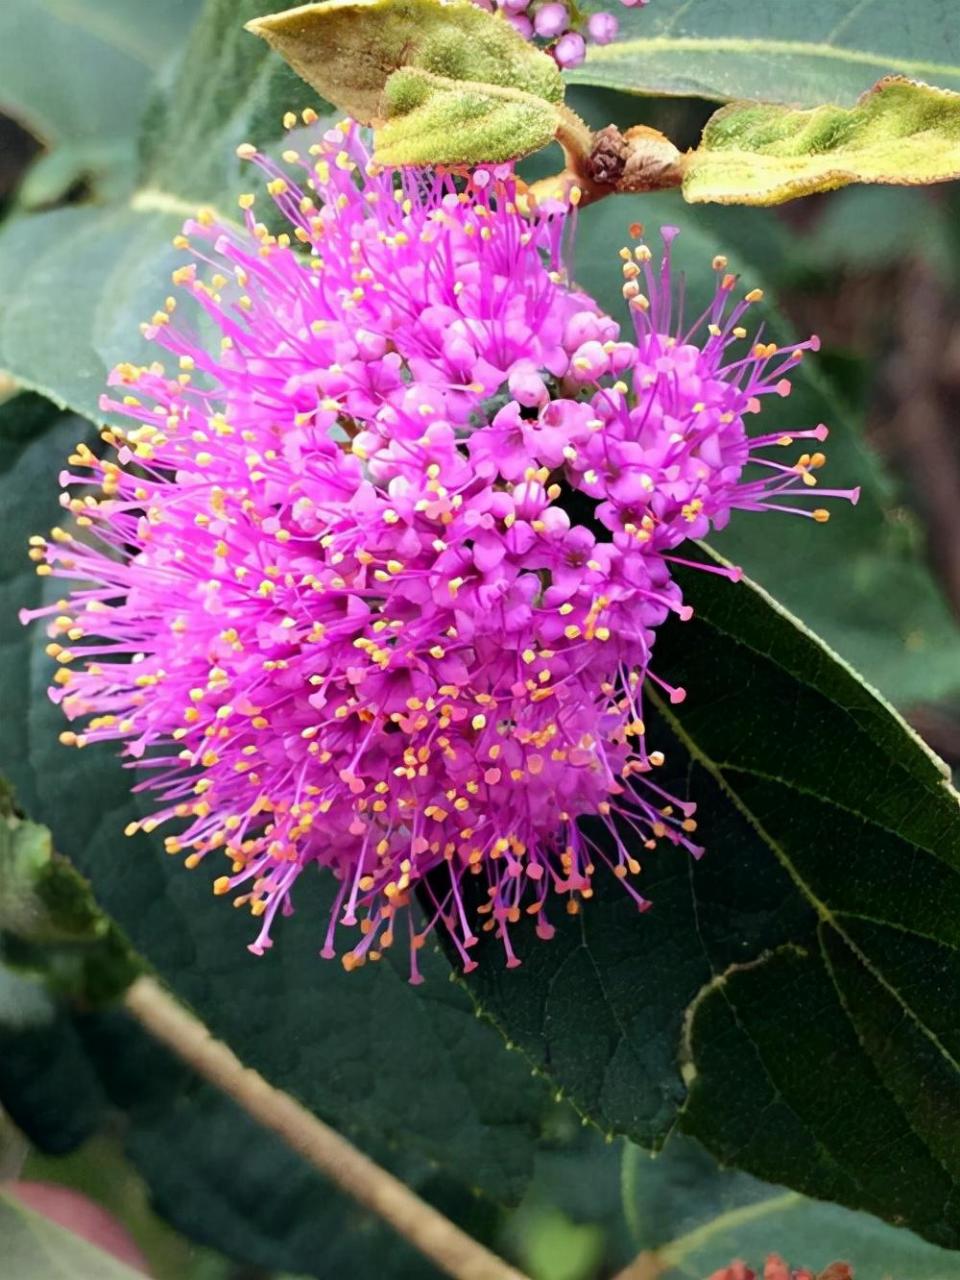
(436, 1237)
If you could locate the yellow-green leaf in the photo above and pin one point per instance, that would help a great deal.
(348, 49)
(430, 120)
(900, 132)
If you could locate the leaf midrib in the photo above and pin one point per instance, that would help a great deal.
(102, 29)
(620, 51)
(826, 915)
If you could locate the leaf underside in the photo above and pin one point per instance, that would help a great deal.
(441, 84)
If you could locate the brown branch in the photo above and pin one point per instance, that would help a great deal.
(436, 1237)
(609, 163)
(645, 1266)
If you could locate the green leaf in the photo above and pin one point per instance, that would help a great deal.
(442, 84)
(228, 89)
(81, 69)
(787, 1000)
(77, 74)
(103, 170)
(554, 1248)
(101, 268)
(34, 1248)
(900, 132)
(42, 898)
(802, 55)
(53, 930)
(437, 121)
(107, 268)
(47, 1085)
(861, 582)
(348, 50)
(695, 1217)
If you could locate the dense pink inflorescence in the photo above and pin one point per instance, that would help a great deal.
(561, 25)
(335, 601)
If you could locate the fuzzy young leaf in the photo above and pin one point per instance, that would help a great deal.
(900, 132)
(441, 84)
(436, 121)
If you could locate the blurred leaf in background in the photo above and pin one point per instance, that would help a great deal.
(78, 74)
(801, 55)
(692, 1218)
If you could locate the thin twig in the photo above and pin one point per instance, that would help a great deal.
(436, 1237)
(644, 1267)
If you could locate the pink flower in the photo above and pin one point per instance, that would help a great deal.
(603, 28)
(552, 21)
(333, 601)
(570, 49)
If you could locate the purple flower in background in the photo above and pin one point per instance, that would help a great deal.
(603, 28)
(563, 25)
(333, 597)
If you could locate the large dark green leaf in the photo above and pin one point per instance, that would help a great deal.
(821, 51)
(47, 1085)
(859, 582)
(221, 1181)
(790, 999)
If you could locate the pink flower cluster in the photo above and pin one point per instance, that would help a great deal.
(561, 25)
(334, 598)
